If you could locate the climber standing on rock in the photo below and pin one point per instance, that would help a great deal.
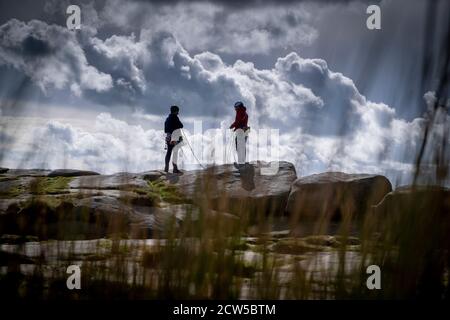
(172, 128)
(241, 129)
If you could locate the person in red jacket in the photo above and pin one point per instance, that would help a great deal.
(240, 126)
(241, 117)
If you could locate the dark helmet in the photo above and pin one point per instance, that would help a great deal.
(238, 104)
(174, 109)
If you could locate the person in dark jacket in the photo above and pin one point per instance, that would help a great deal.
(171, 124)
(241, 128)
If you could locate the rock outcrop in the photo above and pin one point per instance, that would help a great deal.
(175, 216)
(240, 192)
(14, 173)
(430, 200)
(118, 181)
(65, 204)
(418, 218)
(73, 203)
(332, 195)
(71, 173)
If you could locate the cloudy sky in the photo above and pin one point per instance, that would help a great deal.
(342, 97)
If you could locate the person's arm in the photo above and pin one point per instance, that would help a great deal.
(179, 123)
(166, 126)
(233, 125)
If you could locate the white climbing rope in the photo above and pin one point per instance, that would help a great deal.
(190, 147)
(230, 147)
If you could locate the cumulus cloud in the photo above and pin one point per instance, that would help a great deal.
(152, 70)
(123, 57)
(202, 26)
(325, 123)
(113, 145)
(50, 55)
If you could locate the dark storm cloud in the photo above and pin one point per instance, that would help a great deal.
(154, 70)
(50, 56)
(35, 47)
(53, 11)
(282, 58)
(170, 76)
(255, 3)
(145, 75)
(338, 114)
(385, 64)
(26, 10)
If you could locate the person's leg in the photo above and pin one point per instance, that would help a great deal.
(245, 149)
(240, 142)
(167, 159)
(175, 154)
(175, 150)
(235, 147)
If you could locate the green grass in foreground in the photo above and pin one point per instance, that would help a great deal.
(49, 185)
(411, 247)
(160, 191)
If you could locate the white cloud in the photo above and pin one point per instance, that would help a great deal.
(125, 57)
(113, 145)
(201, 26)
(110, 146)
(324, 121)
(50, 55)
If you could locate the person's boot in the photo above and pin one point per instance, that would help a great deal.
(175, 168)
(238, 166)
(166, 168)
